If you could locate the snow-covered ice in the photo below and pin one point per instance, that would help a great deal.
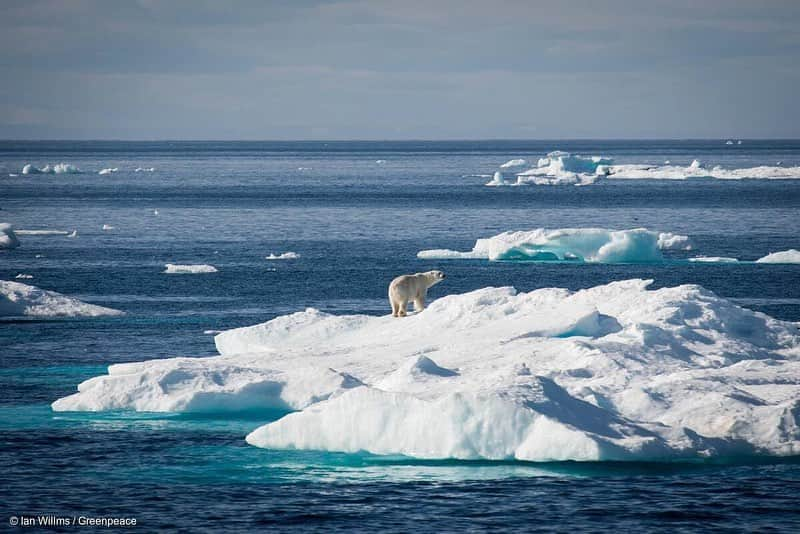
(614, 372)
(58, 168)
(784, 256)
(17, 299)
(594, 245)
(23, 276)
(8, 238)
(283, 256)
(563, 168)
(173, 268)
(109, 170)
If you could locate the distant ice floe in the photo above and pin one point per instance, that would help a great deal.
(592, 245)
(283, 256)
(784, 256)
(18, 300)
(59, 168)
(713, 259)
(519, 162)
(109, 170)
(107, 227)
(8, 238)
(613, 372)
(563, 168)
(144, 169)
(173, 268)
(380, 161)
(23, 276)
(43, 232)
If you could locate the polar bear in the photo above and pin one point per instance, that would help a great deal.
(411, 287)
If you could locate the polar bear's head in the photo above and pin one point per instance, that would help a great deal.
(434, 277)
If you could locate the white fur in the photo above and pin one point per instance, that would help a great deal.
(411, 288)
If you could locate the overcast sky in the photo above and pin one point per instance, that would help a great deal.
(403, 69)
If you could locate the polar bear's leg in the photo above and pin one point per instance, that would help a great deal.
(419, 303)
(402, 308)
(395, 307)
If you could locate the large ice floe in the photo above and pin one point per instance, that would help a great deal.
(784, 256)
(58, 168)
(563, 168)
(614, 372)
(592, 245)
(22, 300)
(8, 238)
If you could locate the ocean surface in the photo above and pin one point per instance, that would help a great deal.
(357, 213)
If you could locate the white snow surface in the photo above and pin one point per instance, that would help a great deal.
(563, 168)
(173, 268)
(8, 238)
(614, 372)
(283, 256)
(17, 299)
(593, 245)
(784, 256)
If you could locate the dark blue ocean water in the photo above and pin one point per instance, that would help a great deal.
(349, 217)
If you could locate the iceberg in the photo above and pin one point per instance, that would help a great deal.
(613, 372)
(784, 256)
(8, 238)
(58, 168)
(563, 168)
(18, 299)
(172, 268)
(283, 256)
(591, 245)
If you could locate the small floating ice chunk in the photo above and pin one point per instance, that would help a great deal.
(8, 238)
(519, 162)
(23, 276)
(713, 259)
(380, 161)
(17, 299)
(784, 256)
(58, 168)
(283, 256)
(728, 142)
(144, 169)
(74, 233)
(108, 227)
(173, 268)
(109, 170)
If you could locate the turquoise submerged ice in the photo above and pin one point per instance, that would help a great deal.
(594, 245)
(614, 372)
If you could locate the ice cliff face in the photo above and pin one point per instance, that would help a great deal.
(614, 372)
